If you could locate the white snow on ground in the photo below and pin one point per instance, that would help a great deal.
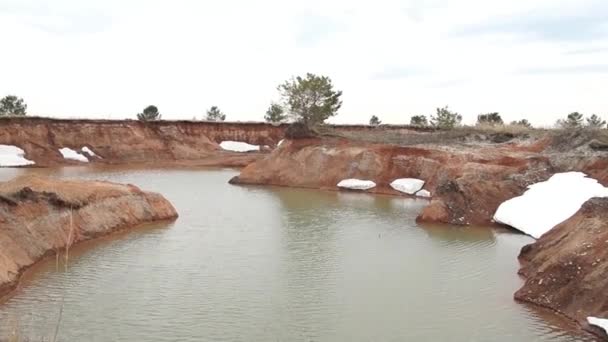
(280, 142)
(423, 193)
(13, 156)
(238, 146)
(89, 151)
(547, 204)
(600, 322)
(407, 185)
(356, 184)
(68, 153)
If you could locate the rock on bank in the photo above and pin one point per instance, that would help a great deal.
(39, 216)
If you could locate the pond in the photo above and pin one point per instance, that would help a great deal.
(278, 264)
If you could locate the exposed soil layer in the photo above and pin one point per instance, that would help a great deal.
(42, 216)
(566, 270)
(467, 179)
(183, 142)
(126, 141)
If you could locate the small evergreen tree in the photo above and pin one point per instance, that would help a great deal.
(215, 114)
(522, 122)
(573, 120)
(150, 113)
(374, 121)
(492, 119)
(12, 105)
(595, 121)
(275, 113)
(310, 100)
(446, 118)
(419, 120)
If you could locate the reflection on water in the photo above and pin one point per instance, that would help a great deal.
(277, 264)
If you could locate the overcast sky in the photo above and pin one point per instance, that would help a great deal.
(535, 59)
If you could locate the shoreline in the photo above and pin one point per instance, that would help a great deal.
(59, 214)
(80, 247)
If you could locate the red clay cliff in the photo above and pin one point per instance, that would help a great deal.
(129, 141)
(467, 179)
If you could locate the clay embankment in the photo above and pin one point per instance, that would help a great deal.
(130, 141)
(566, 270)
(467, 179)
(41, 216)
(127, 141)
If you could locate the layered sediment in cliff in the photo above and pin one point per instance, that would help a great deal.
(126, 141)
(566, 270)
(42, 216)
(468, 180)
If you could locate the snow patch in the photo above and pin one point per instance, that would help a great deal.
(238, 146)
(408, 185)
(13, 156)
(547, 204)
(68, 153)
(599, 322)
(280, 142)
(423, 193)
(86, 149)
(356, 184)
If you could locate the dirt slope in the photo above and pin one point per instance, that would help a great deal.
(40, 216)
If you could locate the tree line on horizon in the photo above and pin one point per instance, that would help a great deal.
(312, 99)
(151, 113)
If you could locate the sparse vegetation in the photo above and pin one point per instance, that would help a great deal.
(374, 121)
(445, 118)
(491, 119)
(573, 120)
(311, 99)
(595, 121)
(150, 113)
(215, 114)
(12, 105)
(275, 113)
(522, 123)
(419, 120)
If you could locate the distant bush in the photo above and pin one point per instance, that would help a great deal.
(215, 114)
(446, 118)
(595, 121)
(522, 122)
(374, 121)
(12, 105)
(573, 120)
(491, 119)
(275, 113)
(419, 120)
(150, 113)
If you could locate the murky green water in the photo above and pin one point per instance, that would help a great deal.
(274, 264)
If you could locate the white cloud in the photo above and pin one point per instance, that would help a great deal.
(393, 59)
